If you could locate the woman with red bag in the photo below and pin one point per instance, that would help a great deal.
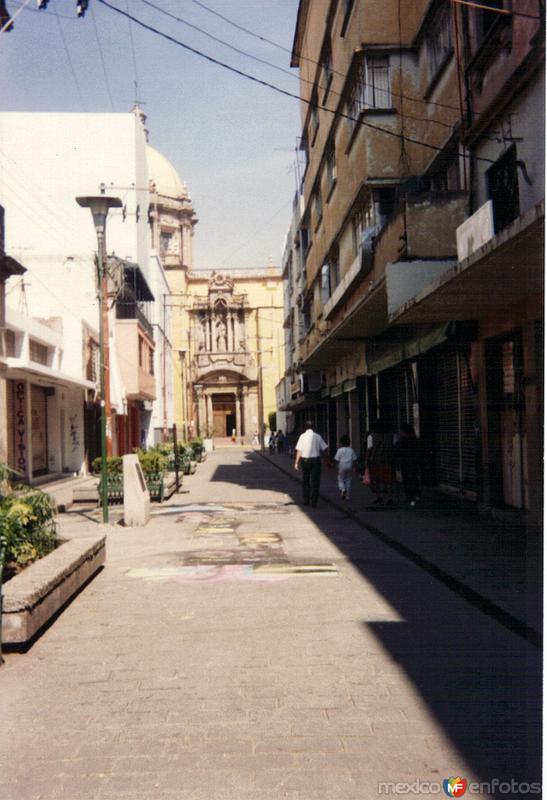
(379, 464)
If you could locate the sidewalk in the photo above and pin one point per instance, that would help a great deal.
(242, 647)
(495, 563)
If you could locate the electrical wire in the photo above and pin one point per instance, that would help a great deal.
(107, 83)
(278, 89)
(258, 230)
(133, 54)
(45, 11)
(504, 11)
(304, 58)
(69, 59)
(276, 66)
(8, 26)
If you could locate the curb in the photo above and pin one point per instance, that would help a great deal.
(476, 599)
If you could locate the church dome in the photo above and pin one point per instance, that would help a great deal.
(163, 175)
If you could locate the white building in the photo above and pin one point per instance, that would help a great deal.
(47, 160)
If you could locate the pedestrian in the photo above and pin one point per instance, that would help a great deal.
(310, 447)
(280, 442)
(379, 460)
(407, 455)
(271, 443)
(346, 458)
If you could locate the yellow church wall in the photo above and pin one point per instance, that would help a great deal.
(264, 334)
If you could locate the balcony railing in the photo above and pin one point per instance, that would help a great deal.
(131, 310)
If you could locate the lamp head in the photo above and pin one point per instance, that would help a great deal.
(99, 207)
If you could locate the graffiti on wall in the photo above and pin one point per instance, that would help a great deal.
(74, 433)
(20, 426)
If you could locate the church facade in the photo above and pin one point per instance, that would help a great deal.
(227, 325)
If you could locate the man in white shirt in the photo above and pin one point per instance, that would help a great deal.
(309, 449)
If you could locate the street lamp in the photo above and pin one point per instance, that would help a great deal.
(99, 207)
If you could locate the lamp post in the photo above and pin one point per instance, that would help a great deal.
(99, 207)
(198, 388)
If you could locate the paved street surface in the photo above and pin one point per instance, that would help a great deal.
(242, 646)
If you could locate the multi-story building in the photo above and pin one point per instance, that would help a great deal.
(412, 122)
(52, 317)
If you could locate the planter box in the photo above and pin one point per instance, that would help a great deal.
(36, 594)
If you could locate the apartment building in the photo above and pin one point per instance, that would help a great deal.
(420, 233)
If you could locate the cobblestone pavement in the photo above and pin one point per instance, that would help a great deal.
(239, 647)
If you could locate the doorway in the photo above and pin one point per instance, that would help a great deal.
(506, 417)
(224, 414)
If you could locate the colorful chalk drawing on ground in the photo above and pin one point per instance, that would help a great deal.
(205, 573)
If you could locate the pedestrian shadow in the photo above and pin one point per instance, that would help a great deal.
(480, 682)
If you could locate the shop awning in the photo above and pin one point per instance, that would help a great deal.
(383, 355)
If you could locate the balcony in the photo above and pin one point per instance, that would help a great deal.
(135, 356)
(137, 311)
(406, 258)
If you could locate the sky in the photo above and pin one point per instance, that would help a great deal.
(231, 140)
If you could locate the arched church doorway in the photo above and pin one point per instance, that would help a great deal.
(224, 414)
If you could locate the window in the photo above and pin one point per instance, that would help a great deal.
(10, 343)
(306, 315)
(150, 361)
(361, 220)
(439, 40)
(347, 6)
(305, 238)
(314, 119)
(39, 353)
(325, 283)
(141, 351)
(92, 366)
(326, 71)
(371, 87)
(445, 177)
(331, 167)
(317, 206)
(503, 189)
(334, 269)
(165, 242)
(378, 85)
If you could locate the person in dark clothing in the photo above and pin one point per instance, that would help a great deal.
(407, 454)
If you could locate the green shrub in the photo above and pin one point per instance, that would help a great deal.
(27, 528)
(114, 465)
(153, 460)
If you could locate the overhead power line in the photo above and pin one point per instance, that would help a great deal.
(311, 60)
(278, 89)
(286, 71)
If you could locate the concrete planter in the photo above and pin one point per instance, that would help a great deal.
(36, 594)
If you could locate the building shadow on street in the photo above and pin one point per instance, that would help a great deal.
(481, 682)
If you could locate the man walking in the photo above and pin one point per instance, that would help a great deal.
(309, 449)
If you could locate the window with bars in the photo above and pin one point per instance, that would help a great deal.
(439, 40)
(371, 87)
(39, 353)
(362, 219)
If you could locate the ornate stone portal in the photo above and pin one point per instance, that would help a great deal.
(224, 372)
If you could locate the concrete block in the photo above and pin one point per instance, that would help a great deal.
(136, 497)
(35, 595)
